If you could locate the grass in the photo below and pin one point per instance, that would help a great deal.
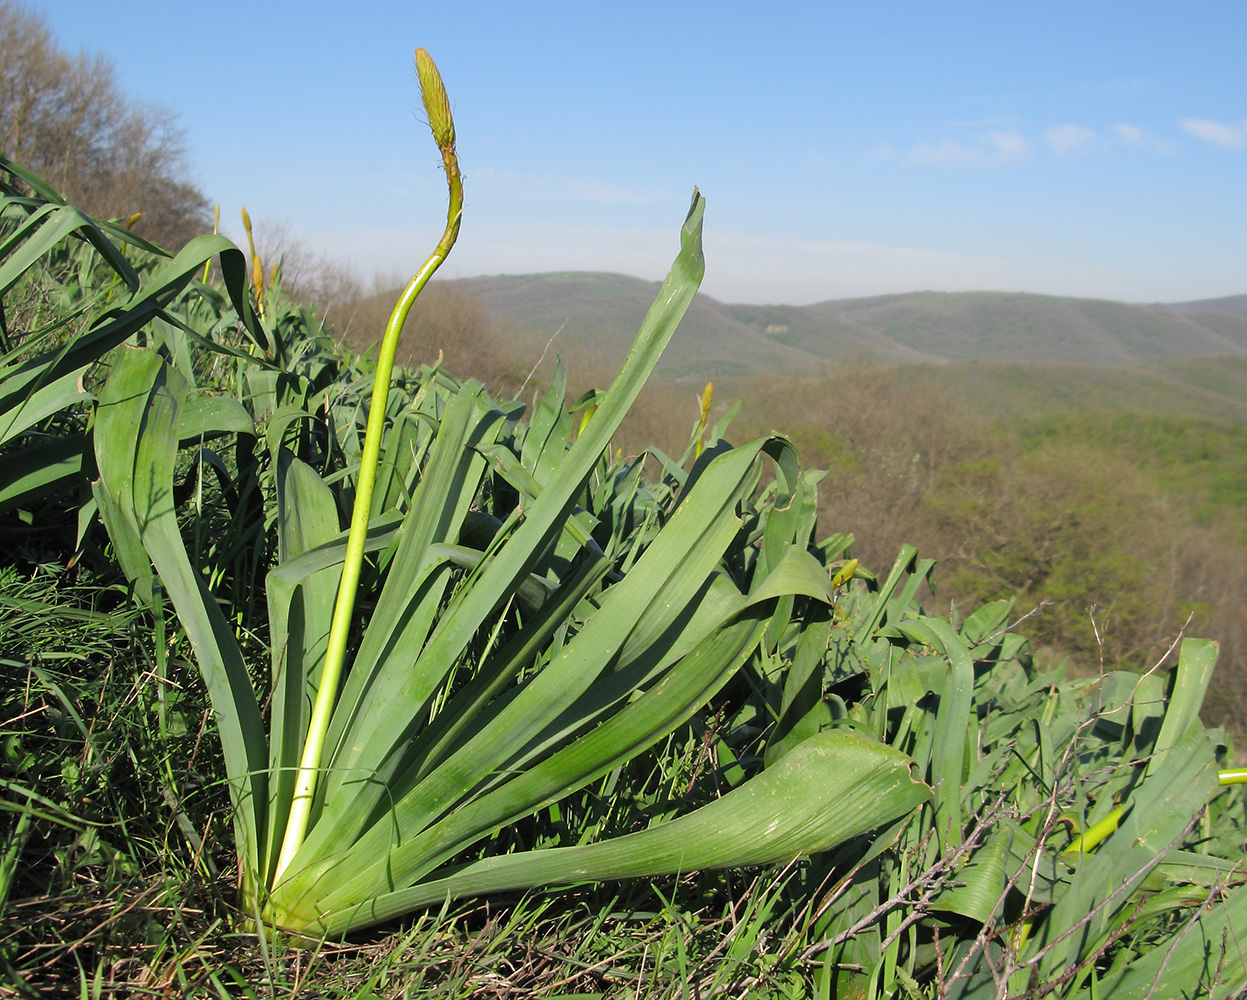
(125, 883)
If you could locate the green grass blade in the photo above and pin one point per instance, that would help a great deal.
(1196, 660)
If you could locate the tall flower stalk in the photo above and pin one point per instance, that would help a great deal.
(437, 108)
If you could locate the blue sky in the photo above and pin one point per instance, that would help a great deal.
(844, 149)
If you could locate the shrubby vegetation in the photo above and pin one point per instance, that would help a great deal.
(64, 117)
(1124, 527)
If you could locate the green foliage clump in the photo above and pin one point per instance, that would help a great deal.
(1123, 529)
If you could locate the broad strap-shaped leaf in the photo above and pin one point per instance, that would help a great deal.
(952, 720)
(388, 684)
(650, 608)
(835, 786)
(136, 442)
(1196, 660)
(1205, 960)
(1160, 808)
(46, 227)
(41, 469)
(383, 864)
(22, 410)
(299, 614)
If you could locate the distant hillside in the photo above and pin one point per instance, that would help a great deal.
(1233, 305)
(598, 314)
(1205, 388)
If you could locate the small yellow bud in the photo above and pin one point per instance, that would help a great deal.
(257, 279)
(436, 103)
(844, 574)
(133, 219)
(585, 417)
(257, 269)
(703, 402)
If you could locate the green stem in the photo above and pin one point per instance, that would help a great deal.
(438, 108)
(1096, 833)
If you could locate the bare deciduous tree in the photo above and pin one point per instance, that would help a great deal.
(65, 118)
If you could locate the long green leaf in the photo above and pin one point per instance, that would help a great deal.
(948, 752)
(834, 786)
(136, 447)
(307, 517)
(1196, 660)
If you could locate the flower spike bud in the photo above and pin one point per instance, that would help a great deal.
(257, 279)
(705, 400)
(436, 103)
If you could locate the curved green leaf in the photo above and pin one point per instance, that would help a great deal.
(835, 786)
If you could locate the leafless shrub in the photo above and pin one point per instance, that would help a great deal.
(65, 118)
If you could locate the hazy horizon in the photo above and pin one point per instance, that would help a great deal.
(844, 150)
(447, 274)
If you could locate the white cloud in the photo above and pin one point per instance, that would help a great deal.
(992, 150)
(1217, 133)
(1070, 139)
(1009, 146)
(1133, 137)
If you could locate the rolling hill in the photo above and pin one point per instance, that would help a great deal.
(596, 315)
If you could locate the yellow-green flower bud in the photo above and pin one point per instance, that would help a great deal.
(436, 103)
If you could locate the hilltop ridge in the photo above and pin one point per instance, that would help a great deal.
(600, 313)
